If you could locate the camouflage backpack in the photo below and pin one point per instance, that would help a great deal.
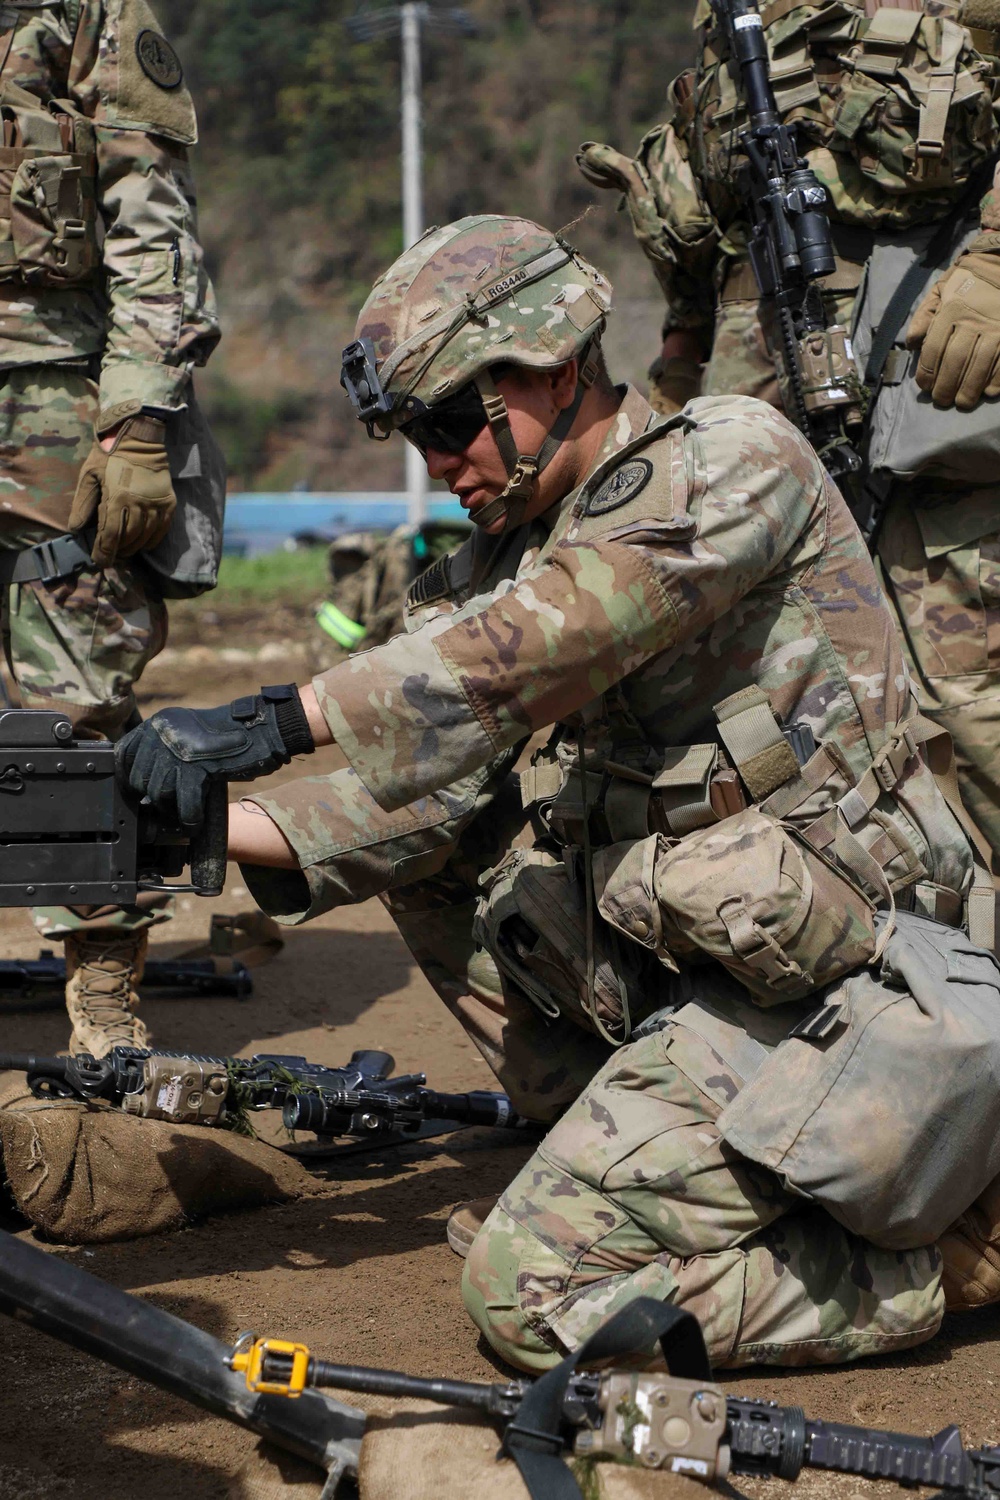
(370, 574)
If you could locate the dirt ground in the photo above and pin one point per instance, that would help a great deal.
(361, 1272)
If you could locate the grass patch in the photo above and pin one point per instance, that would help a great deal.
(298, 577)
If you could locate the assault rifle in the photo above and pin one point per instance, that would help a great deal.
(681, 1422)
(791, 248)
(684, 1424)
(70, 835)
(46, 975)
(359, 1100)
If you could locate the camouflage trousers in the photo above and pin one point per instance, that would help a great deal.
(634, 1193)
(78, 644)
(939, 557)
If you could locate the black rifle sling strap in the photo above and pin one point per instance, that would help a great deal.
(939, 251)
(534, 1437)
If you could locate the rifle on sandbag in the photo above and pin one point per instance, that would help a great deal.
(681, 1422)
(791, 249)
(360, 1100)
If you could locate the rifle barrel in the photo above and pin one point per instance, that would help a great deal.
(83, 1311)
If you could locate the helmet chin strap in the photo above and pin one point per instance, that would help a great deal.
(522, 468)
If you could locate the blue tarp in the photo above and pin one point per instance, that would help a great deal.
(259, 522)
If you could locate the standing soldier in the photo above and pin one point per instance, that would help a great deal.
(111, 489)
(896, 109)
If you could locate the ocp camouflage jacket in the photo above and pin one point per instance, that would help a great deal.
(106, 166)
(702, 558)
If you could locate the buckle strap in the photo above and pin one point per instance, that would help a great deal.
(46, 562)
(754, 741)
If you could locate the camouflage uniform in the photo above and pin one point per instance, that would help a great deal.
(859, 81)
(703, 585)
(94, 328)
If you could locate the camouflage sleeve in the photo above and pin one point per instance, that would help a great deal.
(670, 220)
(349, 849)
(161, 314)
(430, 707)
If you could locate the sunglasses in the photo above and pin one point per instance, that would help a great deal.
(450, 426)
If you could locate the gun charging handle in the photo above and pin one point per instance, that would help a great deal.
(210, 845)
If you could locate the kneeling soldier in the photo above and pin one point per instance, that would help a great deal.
(716, 930)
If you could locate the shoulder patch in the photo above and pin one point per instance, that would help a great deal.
(432, 584)
(621, 486)
(158, 60)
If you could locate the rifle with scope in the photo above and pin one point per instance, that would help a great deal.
(360, 1100)
(791, 249)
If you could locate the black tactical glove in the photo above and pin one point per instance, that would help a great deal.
(175, 755)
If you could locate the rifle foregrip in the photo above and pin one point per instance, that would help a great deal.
(210, 846)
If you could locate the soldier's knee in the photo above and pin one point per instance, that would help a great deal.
(492, 1289)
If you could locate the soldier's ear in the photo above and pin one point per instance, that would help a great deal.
(563, 383)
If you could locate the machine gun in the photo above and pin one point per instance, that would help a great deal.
(70, 835)
(359, 1100)
(791, 248)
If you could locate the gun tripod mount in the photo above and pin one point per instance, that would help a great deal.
(71, 835)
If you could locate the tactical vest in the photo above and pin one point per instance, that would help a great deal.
(49, 235)
(895, 105)
(762, 850)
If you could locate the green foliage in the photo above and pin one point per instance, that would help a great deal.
(244, 424)
(299, 575)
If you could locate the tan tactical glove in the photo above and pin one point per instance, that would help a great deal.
(957, 330)
(674, 382)
(129, 488)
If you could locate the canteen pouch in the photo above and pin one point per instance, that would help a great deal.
(750, 894)
(186, 563)
(888, 1115)
(532, 920)
(908, 434)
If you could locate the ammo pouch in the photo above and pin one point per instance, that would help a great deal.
(48, 207)
(747, 892)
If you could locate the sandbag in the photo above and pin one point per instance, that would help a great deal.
(271, 1473)
(423, 1452)
(85, 1173)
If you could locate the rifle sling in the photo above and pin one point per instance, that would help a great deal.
(534, 1437)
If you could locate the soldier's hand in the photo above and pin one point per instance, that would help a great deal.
(957, 330)
(129, 489)
(173, 757)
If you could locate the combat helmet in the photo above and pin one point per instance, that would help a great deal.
(483, 291)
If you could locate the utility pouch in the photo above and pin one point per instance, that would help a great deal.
(888, 1115)
(908, 434)
(532, 918)
(750, 894)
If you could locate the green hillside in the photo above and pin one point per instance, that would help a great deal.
(298, 173)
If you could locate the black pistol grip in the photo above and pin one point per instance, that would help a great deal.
(209, 846)
(373, 1066)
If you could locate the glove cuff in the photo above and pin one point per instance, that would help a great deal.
(290, 718)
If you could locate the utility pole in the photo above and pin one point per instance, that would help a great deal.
(411, 15)
(408, 19)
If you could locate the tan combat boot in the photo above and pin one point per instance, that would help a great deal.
(466, 1220)
(103, 966)
(970, 1249)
